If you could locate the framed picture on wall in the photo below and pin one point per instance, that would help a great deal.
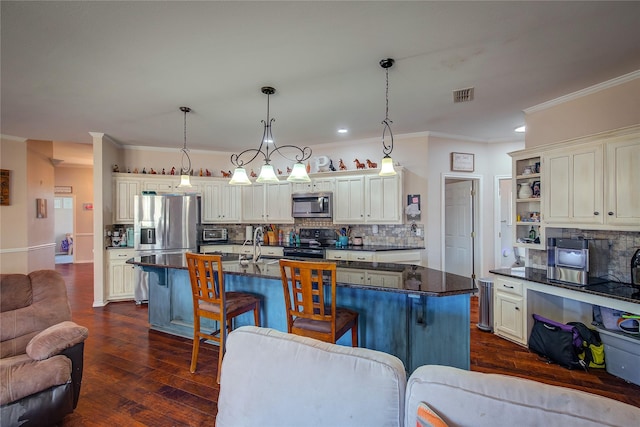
(462, 162)
(5, 187)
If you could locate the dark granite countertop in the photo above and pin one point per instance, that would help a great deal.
(617, 290)
(364, 248)
(412, 279)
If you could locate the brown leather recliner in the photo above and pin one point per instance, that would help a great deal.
(41, 350)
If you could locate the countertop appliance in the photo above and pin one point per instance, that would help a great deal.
(576, 260)
(313, 241)
(312, 205)
(163, 224)
(214, 234)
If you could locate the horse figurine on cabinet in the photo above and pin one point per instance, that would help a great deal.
(371, 164)
(359, 165)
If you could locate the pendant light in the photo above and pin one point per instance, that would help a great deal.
(386, 168)
(185, 180)
(267, 173)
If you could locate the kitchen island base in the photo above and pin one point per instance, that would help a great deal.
(416, 328)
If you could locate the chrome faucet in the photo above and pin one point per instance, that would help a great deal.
(258, 236)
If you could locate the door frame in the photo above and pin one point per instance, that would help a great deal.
(477, 218)
(75, 218)
(496, 218)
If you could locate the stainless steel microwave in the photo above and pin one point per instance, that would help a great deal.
(312, 205)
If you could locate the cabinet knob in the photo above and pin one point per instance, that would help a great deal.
(596, 213)
(610, 213)
(518, 308)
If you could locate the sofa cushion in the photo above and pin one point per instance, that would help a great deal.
(15, 292)
(273, 378)
(21, 376)
(56, 338)
(464, 398)
(49, 306)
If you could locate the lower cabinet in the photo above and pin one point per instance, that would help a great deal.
(396, 257)
(509, 310)
(120, 275)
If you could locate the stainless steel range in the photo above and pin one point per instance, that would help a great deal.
(313, 241)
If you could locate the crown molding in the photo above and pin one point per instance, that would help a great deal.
(12, 138)
(584, 92)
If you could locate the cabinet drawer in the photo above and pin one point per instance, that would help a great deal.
(121, 254)
(210, 249)
(272, 251)
(361, 256)
(337, 254)
(508, 286)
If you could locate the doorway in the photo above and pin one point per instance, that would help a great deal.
(461, 215)
(64, 229)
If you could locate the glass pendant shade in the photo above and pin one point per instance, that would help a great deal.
(240, 177)
(299, 173)
(267, 174)
(185, 180)
(387, 167)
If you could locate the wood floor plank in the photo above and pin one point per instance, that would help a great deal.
(137, 377)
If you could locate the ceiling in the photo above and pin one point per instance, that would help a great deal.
(124, 68)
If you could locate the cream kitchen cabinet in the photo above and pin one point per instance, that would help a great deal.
(622, 180)
(120, 275)
(392, 256)
(220, 202)
(510, 310)
(270, 203)
(383, 199)
(347, 255)
(125, 190)
(383, 279)
(368, 198)
(592, 183)
(576, 187)
(348, 200)
(163, 184)
(317, 185)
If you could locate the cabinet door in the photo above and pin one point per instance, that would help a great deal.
(210, 202)
(623, 177)
(121, 278)
(125, 191)
(509, 317)
(348, 206)
(383, 199)
(574, 192)
(253, 203)
(323, 184)
(385, 279)
(278, 203)
(230, 199)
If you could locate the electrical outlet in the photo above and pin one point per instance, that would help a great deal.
(418, 231)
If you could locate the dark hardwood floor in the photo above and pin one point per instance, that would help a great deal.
(137, 377)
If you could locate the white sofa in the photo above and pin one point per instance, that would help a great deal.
(270, 378)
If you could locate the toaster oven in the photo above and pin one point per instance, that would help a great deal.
(214, 235)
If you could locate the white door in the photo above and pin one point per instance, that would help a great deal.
(64, 224)
(458, 228)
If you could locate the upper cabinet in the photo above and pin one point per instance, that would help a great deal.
(267, 203)
(125, 189)
(317, 185)
(374, 199)
(575, 187)
(623, 180)
(220, 202)
(586, 183)
(595, 184)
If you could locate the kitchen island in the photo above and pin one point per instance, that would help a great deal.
(418, 314)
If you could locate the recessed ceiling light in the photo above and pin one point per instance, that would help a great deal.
(343, 130)
(520, 129)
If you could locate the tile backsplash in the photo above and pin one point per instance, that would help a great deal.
(622, 246)
(387, 235)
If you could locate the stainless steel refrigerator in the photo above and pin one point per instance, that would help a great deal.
(163, 224)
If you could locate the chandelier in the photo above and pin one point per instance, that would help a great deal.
(267, 174)
(185, 169)
(386, 168)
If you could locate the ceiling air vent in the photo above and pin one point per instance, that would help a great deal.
(463, 95)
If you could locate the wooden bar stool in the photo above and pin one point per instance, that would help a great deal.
(212, 302)
(304, 295)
